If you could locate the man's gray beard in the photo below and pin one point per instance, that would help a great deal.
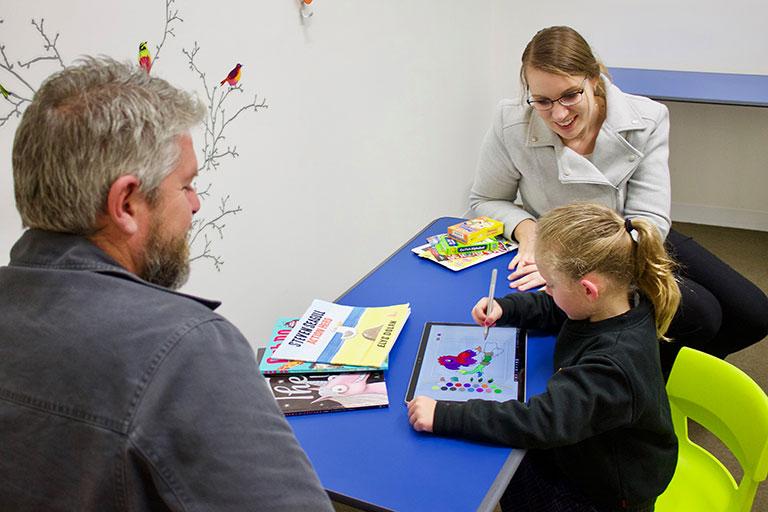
(166, 261)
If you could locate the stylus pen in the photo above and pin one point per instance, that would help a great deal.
(489, 306)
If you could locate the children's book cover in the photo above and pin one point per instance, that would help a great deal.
(328, 392)
(344, 335)
(272, 365)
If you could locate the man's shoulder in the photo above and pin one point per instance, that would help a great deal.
(178, 301)
(121, 293)
(139, 320)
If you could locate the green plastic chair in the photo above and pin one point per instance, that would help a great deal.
(728, 403)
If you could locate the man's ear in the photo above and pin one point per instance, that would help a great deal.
(590, 286)
(124, 203)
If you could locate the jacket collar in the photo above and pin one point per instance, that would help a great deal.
(46, 249)
(620, 116)
(539, 134)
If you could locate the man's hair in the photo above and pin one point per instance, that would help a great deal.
(88, 125)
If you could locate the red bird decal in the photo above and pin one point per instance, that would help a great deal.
(233, 77)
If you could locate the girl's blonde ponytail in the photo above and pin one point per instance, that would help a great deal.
(654, 272)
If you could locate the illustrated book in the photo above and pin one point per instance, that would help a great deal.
(349, 335)
(312, 393)
(271, 365)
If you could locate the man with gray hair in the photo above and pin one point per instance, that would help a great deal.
(116, 392)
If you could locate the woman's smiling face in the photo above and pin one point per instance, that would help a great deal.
(571, 123)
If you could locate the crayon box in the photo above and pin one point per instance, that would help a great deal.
(475, 230)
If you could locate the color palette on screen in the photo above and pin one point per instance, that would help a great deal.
(473, 386)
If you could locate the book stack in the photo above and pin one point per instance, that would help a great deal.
(332, 358)
(466, 243)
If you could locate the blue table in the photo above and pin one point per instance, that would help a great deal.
(694, 86)
(372, 459)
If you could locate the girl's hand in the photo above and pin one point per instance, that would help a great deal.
(421, 413)
(479, 316)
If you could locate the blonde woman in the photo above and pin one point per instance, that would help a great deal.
(576, 137)
(600, 438)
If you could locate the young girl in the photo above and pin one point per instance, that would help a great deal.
(600, 438)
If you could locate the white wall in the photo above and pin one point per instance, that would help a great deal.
(376, 112)
(682, 35)
(719, 165)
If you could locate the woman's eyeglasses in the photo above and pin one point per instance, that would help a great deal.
(567, 100)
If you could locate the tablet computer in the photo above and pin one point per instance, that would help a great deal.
(455, 363)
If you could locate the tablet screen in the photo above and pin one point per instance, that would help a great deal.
(455, 363)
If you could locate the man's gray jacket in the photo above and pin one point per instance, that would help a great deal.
(118, 395)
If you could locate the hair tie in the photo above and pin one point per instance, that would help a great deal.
(630, 229)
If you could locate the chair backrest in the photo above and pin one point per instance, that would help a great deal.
(728, 403)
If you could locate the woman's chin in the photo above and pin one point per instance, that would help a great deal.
(568, 131)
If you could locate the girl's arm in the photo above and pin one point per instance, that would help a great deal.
(531, 310)
(580, 402)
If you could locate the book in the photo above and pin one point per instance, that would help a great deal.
(475, 230)
(458, 262)
(311, 393)
(271, 365)
(338, 334)
(446, 245)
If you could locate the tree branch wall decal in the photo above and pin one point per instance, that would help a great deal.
(214, 151)
(214, 137)
(16, 98)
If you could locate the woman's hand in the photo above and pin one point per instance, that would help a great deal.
(525, 274)
(478, 313)
(421, 413)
